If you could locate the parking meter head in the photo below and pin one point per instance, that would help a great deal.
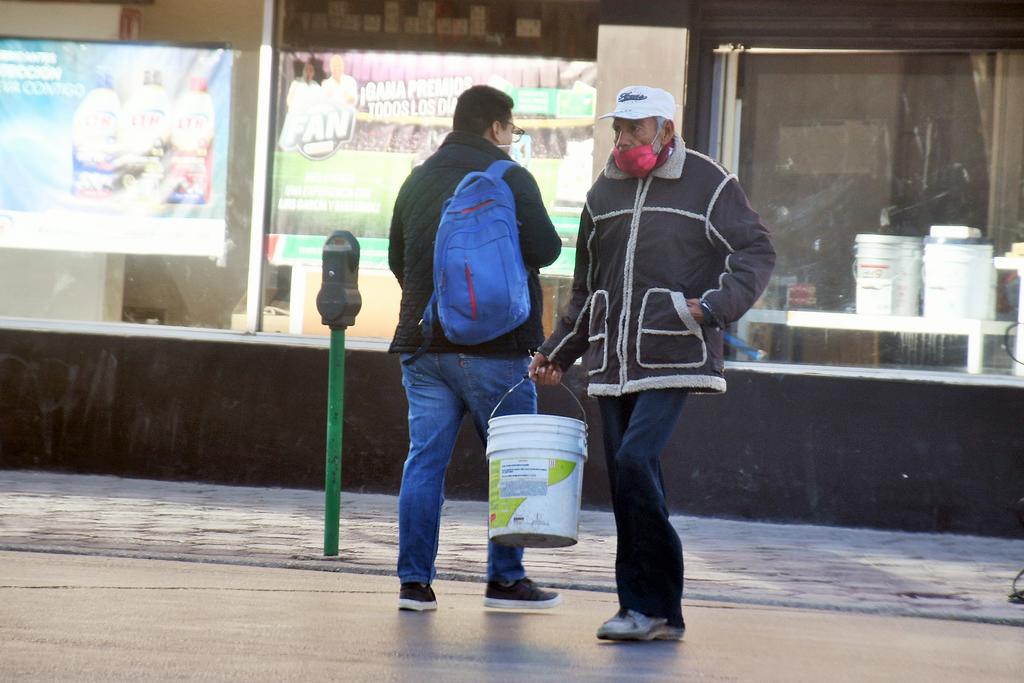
(338, 300)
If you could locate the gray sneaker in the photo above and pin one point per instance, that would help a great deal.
(631, 625)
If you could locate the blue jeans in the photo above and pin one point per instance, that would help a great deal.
(649, 554)
(441, 388)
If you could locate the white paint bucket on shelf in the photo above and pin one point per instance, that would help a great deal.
(535, 476)
(959, 278)
(888, 273)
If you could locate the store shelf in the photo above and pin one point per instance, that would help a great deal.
(974, 330)
(893, 323)
(1009, 262)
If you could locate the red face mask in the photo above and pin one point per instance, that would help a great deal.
(638, 161)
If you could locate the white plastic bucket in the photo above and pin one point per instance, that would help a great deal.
(535, 467)
(959, 279)
(888, 273)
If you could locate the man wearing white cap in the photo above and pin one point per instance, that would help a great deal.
(669, 252)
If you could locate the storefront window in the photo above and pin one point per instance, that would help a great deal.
(354, 117)
(128, 178)
(116, 204)
(352, 125)
(892, 185)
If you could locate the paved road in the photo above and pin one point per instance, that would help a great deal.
(82, 618)
(937, 575)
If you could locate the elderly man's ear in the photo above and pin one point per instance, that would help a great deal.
(668, 132)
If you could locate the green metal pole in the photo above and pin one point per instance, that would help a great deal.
(335, 414)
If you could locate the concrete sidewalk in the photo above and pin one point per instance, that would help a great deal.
(932, 575)
(77, 618)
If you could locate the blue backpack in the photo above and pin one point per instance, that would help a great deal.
(480, 283)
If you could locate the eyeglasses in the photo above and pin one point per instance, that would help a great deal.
(517, 132)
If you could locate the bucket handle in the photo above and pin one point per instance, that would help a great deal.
(527, 378)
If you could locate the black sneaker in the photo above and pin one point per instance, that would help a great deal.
(418, 597)
(522, 594)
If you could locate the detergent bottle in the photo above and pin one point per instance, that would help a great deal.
(192, 132)
(94, 131)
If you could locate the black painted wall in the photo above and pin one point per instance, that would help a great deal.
(826, 450)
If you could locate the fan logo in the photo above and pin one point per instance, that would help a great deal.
(317, 130)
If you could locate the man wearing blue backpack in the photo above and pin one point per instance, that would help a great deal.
(470, 318)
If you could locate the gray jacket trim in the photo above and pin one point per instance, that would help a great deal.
(672, 169)
(728, 268)
(708, 227)
(719, 236)
(681, 212)
(612, 214)
(612, 171)
(590, 261)
(575, 328)
(586, 303)
(701, 383)
(692, 329)
(603, 335)
(714, 162)
(627, 276)
(721, 277)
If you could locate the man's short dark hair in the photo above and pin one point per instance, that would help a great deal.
(479, 107)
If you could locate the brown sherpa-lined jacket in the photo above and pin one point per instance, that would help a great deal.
(646, 245)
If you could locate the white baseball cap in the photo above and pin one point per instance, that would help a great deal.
(641, 101)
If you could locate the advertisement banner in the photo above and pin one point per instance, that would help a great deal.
(108, 147)
(352, 125)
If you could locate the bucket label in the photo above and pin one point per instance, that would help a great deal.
(518, 488)
(526, 477)
(519, 482)
(874, 289)
(501, 509)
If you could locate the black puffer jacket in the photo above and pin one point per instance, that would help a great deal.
(414, 226)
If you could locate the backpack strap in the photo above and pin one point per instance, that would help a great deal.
(426, 328)
(496, 171)
(499, 168)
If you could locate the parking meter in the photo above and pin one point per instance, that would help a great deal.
(338, 300)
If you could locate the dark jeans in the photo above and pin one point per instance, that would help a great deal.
(649, 554)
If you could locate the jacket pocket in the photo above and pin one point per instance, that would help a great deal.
(596, 357)
(669, 336)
